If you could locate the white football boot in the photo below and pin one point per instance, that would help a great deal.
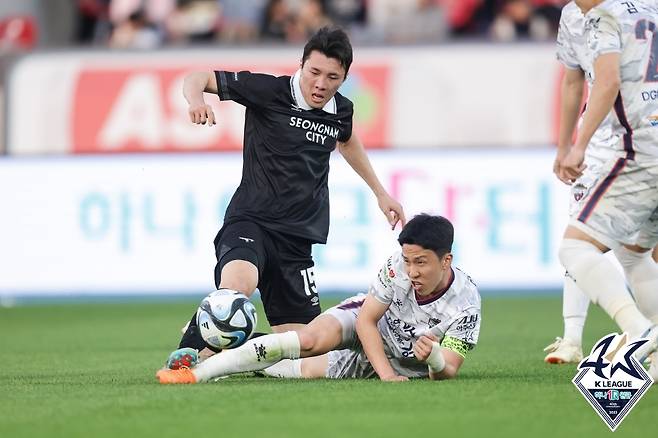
(563, 351)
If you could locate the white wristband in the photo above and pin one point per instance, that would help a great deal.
(435, 360)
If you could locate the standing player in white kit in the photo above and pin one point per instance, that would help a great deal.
(573, 54)
(621, 209)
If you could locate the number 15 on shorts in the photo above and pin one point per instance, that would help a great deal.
(308, 278)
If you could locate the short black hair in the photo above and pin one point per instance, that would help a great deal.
(435, 233)
(334, 43)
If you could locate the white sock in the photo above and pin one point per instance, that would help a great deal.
(574, 310)
(286, 368)
(642, 275)
(255, 354)
(596, 276)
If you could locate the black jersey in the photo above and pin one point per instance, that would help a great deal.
(286, 153)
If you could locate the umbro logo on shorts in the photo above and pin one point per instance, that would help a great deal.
(246, 239)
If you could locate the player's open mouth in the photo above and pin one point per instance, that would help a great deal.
(317, 97)
(416, 285)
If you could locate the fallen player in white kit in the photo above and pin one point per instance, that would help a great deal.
(420, 319)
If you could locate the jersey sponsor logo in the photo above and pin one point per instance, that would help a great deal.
(402, 333)
(611, 379)
(315, 131)
(433, 321)
(630, 7)
(389, 267)
(384, 280)
(246, 239)
(649, 95)
(468, 322)
(653, 120)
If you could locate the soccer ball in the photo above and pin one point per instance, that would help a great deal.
(226, 319)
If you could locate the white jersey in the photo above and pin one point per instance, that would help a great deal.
(627, 27)
(453, 316)
(573, 53)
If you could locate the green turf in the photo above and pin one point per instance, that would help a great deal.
(88, 371)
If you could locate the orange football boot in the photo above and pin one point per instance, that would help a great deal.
(179, 376)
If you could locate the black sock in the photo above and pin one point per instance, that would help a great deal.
(192, 338)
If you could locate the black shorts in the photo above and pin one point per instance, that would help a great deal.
(285, 269)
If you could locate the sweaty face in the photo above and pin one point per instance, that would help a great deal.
(320, 79)
(428, 273)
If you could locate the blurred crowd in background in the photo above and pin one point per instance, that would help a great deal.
(148, 24)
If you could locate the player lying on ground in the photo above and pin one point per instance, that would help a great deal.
(420, 319)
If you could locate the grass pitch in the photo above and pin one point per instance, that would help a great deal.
(87, 370)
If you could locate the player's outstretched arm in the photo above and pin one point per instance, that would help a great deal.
(356, 157)
(442, 363)
(571, 93)
(366, 328)
(194, 86)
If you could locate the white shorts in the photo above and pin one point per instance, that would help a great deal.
(349, 364)
(581, 188)
(346, 312)
(622, 205)
(349, 361)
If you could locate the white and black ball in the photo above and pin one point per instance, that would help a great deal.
(226, 319)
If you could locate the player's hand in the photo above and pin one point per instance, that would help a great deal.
(201, 114)
(394, 378)
(423, 346)
(557, 165)
(573, 165)
(392, 209)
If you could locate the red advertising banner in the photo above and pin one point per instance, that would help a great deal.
(119, 110)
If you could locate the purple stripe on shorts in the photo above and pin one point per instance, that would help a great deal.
(601, 189)
(355, 304)
(628, 135)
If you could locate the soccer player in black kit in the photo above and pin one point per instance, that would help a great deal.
(281, 207)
